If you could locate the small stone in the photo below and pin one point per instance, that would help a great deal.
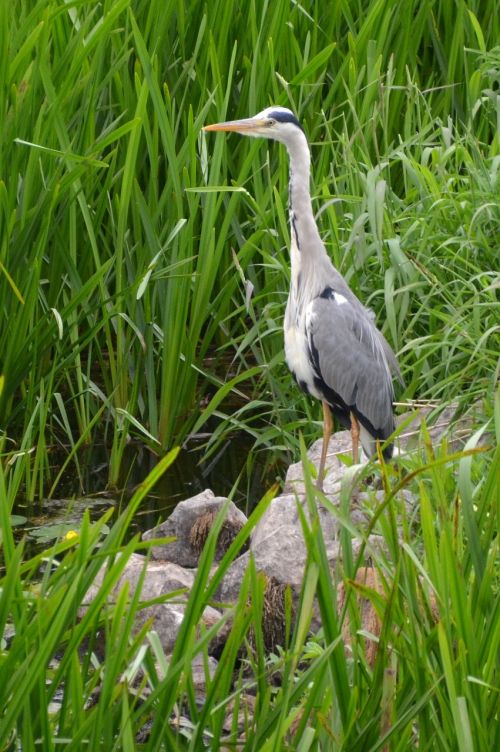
(160, 579)
(190, 523)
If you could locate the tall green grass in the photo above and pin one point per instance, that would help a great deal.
(96, 682)
(122, 300)
(143, 279)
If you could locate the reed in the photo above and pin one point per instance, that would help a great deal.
(143, 279)
(129, 242)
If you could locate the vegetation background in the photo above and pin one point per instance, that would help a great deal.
(143, 279)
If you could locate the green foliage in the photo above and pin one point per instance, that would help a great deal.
(73, 677)
(125, 270)
(143, 279)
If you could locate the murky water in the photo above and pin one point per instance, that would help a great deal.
(251, 473)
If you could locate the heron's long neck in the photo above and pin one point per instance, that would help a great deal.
(303, 226)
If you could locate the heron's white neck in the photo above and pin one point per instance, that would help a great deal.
(303, 227)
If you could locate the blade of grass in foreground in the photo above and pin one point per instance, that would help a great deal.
(44, 618)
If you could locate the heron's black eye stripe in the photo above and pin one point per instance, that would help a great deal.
(285, 117)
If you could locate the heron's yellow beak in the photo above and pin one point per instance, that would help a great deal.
(239, 126)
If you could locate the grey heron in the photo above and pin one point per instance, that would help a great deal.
(332, 346)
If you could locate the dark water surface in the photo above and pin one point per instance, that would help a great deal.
(235, 463)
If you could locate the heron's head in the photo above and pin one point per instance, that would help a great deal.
(274, 122)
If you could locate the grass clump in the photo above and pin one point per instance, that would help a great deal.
(420, 671)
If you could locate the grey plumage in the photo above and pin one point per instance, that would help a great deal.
(332, 345)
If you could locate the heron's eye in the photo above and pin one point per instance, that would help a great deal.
(271, 122)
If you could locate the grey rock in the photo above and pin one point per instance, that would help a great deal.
(229, 589)
(340, 444)
(278, 543)
(200, 666)
(188, 523)
(245, 705)
(160, 578)
(442, 423)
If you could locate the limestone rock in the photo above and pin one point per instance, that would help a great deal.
(189, 523)
(340, 443)
(278, 543)
(160, 578)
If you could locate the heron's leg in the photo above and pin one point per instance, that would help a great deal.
(327, 432)
(355, 439)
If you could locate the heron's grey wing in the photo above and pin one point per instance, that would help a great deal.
(389, 354)
(350, 357)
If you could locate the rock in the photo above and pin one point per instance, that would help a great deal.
(229, 589)
(160, 579)
(278, 546)
(190, 523)
(199, 666)
(439, 424)
(340, 443)
(274, 604)
(442, 423)
(274, 607)
(278, 543)
(239, 715)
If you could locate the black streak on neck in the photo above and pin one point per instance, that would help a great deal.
(293, 218)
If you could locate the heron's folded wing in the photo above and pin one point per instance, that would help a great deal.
(349, 356)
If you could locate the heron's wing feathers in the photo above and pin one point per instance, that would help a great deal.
(390, 357)
(351, 358)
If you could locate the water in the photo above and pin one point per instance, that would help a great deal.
(45, 520)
